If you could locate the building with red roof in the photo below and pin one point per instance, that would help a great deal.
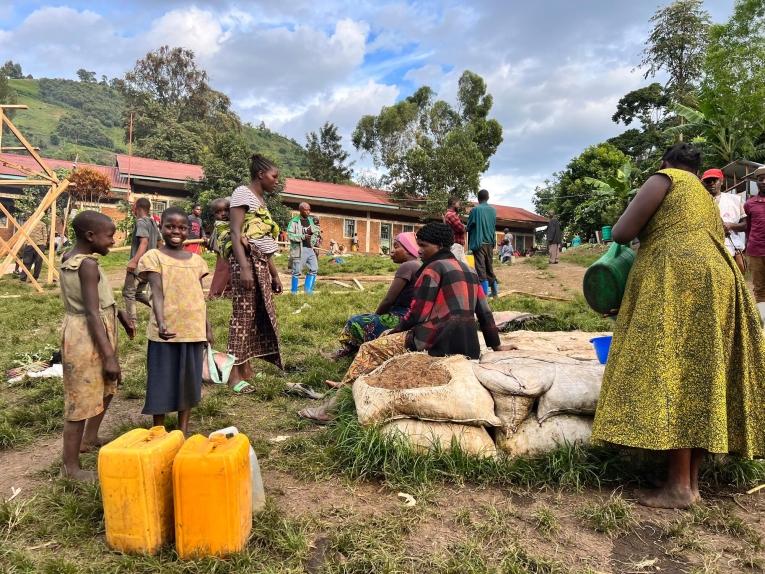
(373, 215)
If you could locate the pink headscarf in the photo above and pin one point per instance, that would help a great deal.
(408, 241)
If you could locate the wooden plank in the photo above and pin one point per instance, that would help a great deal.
(365, 278)
(359, 285)
(23, 267)
(52, 245)
(14, 106)
(16, 241)
(23, 141)
(342, 284)
(18, 182)
(15, 223)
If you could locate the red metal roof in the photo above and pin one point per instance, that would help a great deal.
(356, 194)
(28, 162)
(337, 192)
(142, 166)
(168, 170)
(507, 213)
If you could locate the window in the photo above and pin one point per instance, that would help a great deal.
(3, 221)
(349, 227)
(385, 231)
(158, 206)
(407, 228)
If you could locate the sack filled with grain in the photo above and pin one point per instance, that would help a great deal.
(512, 410)
(424, 436)
(416, 385)
(533, 438)
(575, 390)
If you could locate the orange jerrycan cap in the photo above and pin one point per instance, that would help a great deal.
(217, 440)
(156, 432)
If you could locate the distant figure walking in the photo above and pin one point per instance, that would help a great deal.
(554, 236)
(146, 236)
(196, 231)
(482, 235)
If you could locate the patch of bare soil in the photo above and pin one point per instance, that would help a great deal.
(23, 468)
(560, 280)
(410, 371)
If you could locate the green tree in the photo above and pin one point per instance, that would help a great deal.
(226, 164)
(7, 93)
(676, 45)
(326, 156)
(12, 70)
(648, 106)
(430, 149)
(174, 141)
(583, 205)
(86, 76)
(84, 130)
(733, 89)
(167, 89)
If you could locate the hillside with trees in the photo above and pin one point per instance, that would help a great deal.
(88, 119)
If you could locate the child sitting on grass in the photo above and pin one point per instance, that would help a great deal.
(89, 339)
(219, 286)
(178, 330)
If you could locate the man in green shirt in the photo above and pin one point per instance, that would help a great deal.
(482, 237)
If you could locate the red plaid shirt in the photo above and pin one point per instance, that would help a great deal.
(452, 219)
(441, 318)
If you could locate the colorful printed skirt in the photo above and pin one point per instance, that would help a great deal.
(360, 329)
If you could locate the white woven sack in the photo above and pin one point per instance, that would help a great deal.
(533, 438)
(515, 375)
(462, 400)
(424, 436)
(575, 390)
(512, 410)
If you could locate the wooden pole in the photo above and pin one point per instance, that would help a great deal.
(16, 224)
(16, 241)
(23, 267)
(30, 149)
(52, 245)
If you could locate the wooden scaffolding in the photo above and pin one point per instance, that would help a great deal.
(9, 250)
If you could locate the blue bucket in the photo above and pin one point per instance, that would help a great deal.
(602, 346)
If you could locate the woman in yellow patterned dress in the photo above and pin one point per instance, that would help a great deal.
(686, 369)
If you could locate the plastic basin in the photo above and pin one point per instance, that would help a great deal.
(602, 346)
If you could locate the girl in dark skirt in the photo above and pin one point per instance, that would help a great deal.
(178, 330)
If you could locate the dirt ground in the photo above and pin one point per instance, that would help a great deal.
(452, 514)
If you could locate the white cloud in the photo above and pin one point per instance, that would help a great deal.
(199, 30)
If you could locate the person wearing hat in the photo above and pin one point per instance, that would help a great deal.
(754, 209)
(732, 212)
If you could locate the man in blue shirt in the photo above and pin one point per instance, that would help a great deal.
(482, 237)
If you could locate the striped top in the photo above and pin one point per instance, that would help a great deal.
(243, 197)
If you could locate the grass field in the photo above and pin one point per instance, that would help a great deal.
(333, 505)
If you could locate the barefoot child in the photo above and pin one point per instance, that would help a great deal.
(89, 339)
(178, 330)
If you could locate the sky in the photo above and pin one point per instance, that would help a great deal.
(556, 68)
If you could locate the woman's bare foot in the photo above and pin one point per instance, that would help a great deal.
(333, 384)
(79, 474)
(668, 498)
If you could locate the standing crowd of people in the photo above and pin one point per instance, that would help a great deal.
(684, 374)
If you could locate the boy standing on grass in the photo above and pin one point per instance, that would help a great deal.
(89, 339)
(145, 237)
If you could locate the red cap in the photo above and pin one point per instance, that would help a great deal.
(716, 173)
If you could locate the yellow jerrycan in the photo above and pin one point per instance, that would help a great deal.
(135, 471)
(212, 494)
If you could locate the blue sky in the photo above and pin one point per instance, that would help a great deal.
(556, 68)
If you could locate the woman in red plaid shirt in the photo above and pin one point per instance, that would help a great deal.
(441, 318)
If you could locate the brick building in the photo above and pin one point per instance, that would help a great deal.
(343, 210)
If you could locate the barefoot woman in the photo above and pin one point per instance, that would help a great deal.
(687, 366)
